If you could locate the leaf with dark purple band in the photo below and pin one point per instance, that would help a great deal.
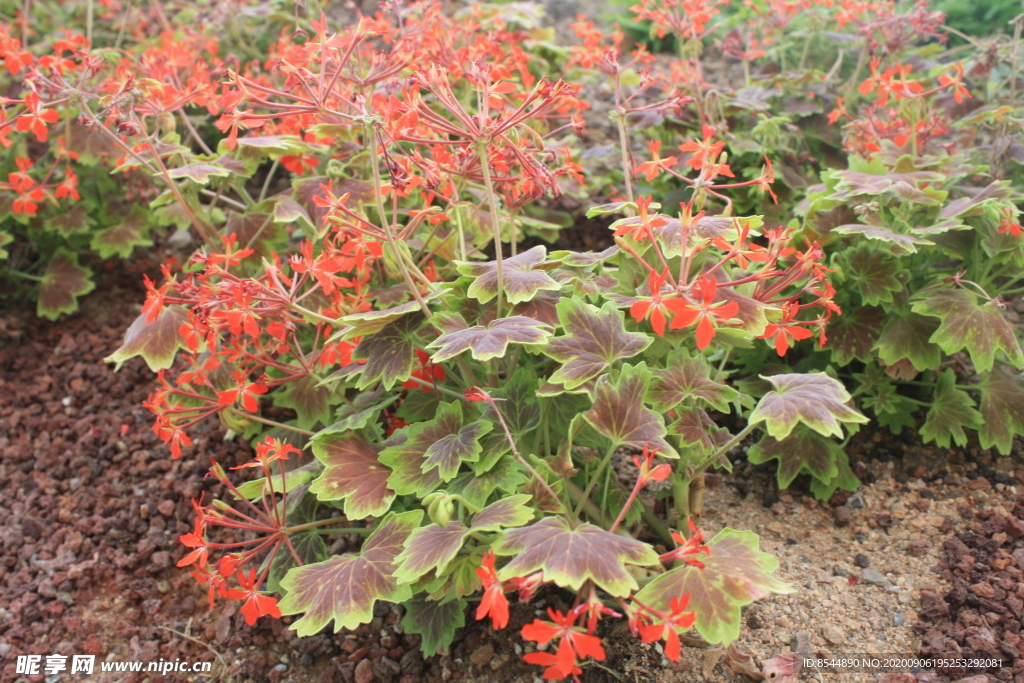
(952, 410)
(432, 547)
(687, 377)
(620, 415)
(435, 621)
(1002, 408)
(433, 451)
(199, 172)
(256, 230)
(735, 574)
(489, 341)
(997, 190)
(586, 259)
(541, 308)
(875, 274)
(593, 340)
(352, 472)
(122, 238)
(521, 280)
(696, 428)
(63, 282)
(804, 451)
(346, 587)
(907, 244)
(71, 221)
(905, 336)
(389, 353)
(370, 322)
(981, 329)
(569, 557)
(815, 399)
(854, 333)
(310, 401)
(156, 342)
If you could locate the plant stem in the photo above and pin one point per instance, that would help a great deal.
(657, 526)
(272, 423)
(597, 475)
(728, 446)
(389, 234)
(18, 273)
(589, 507)
(492, 201)
(627, 171)
(443, 390)
(315, 316)
(325, 522)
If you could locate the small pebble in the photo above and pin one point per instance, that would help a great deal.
(856, 501)
(898, 619)
(862, 561)
(875, 578)
(281, 667)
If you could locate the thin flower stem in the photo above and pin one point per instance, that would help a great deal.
(325, 522)
(640, 483)
(495, 228)
(271, 423)
(597, 475)
(726, 447)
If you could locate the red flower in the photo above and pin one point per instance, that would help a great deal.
(248, 392)
(678, 618)
(786, 329)
(574, 646)
(493, 602)
(656, 306)
(256, 604)
(705, 313)
(195, 540)
(688, 547)
(703, 151)
(35, 119)
(1008, 226)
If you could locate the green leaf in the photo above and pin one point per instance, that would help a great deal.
(951, 411)
(593, 340)
(122, 238)
(802, 452)
(354, 473)
(486, 341)
(506, 475)
(156, 341)
(569, 557)
(199, 172)
(369, 322)
(815, 399)
(519, 405)
(982, 330)
(431, 452)
(854, 333)
(1002, 409)
(891, 409)
(902, 244)
(311, 402)
(906, 336)
(389, 353)
(346, 587)
(521, 282)
(254, 488)
(875, 274)
(735, 574)
(846, 480)
(432, 547)
(620, 415)
(63, 282)
(435, 622)
(696, 428)
(688, 377)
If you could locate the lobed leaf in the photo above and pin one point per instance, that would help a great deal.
(346, 587)
(63, 282)
(875, 274)
(593, 340)
(435, 622)
(390, 352)
(951, 411)
(352, 472)
(570, 556)
(1002, 409)
(521, 282)
(906, 336)
(619, 413)
(156, 341)
(982, 330)
(853, 334)
(309, 399)
(735, 574)
(491, 340)
(804, 451)
(814, 399)
(122, 238)
(688, 377)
